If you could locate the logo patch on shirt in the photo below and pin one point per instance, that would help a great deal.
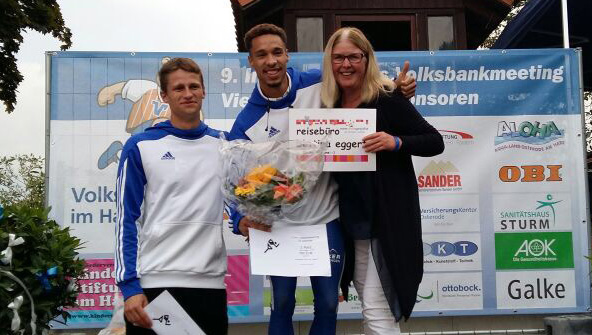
(168, 155)
(273, 132)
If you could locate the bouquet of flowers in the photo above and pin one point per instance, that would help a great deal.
(265, 180)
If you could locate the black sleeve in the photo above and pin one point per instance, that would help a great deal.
(419, 138)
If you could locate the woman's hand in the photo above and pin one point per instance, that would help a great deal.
(406, 83)
(380, 141)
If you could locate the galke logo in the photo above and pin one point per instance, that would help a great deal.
(168, 156)
(541, 288)
(530, 173)
(441, 174)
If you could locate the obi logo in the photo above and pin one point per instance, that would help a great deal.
(536, 248)
(530, 173)
(442, 248)
(441, 174)
(334, 256)
(539, 288)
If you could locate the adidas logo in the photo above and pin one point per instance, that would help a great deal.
(168, 155)
(273, 132)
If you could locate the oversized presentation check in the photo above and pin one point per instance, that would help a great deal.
(290, 251)
(342, 129)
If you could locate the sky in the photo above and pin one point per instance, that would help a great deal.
(110, 25)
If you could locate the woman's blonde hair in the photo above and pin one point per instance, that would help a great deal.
(375, 81)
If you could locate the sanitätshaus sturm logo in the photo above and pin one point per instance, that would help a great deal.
(526, 135)
(439, 176)
(541, 217)
(534, 250)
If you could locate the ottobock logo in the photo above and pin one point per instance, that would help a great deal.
(539, 218)
(456, 137)
(442, 175)
(532, 136)
(167, 156)
(273, 131)
(424, 296)
(530, 173)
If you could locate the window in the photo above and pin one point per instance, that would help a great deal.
(441, 33)
(309, 33)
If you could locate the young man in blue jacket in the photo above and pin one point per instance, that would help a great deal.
(265, 118)
(169, 228)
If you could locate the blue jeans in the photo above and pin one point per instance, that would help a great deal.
(325, 290)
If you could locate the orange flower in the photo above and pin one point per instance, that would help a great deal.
(294, 192)
(280, 191)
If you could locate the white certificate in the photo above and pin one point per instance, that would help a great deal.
(168, 317)
(342, 129)
(290, 251)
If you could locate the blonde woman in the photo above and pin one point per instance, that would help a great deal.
(379, 210)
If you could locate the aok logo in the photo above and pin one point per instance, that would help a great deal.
(539, 289)
(441, 174)
(442, 248)
(530, 173)
(535, 248)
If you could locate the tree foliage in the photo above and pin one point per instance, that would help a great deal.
(16, 16)
(47, 264)
(490, 40)
(22, 181)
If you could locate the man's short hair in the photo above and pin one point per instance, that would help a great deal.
(264, 29)
(185, 64)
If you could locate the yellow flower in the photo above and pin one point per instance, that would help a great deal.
(261, 175)
(244, 190)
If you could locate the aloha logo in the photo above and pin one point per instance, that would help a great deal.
(532, 136)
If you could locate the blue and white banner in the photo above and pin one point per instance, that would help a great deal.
(504, 210)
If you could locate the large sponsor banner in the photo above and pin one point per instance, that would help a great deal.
(503, 208)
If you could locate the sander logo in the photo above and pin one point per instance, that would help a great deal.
(439, 176)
